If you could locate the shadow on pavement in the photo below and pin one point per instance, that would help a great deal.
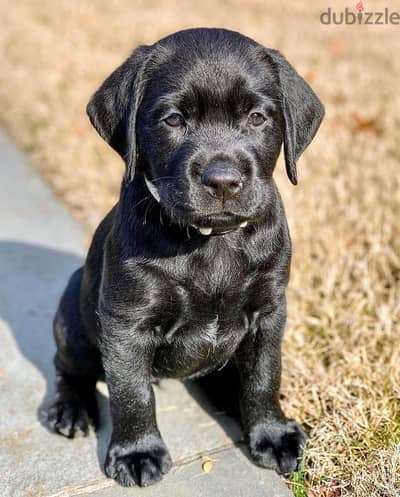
(32, 279)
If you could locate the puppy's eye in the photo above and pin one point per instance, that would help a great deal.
(255, 119)
(174, 120)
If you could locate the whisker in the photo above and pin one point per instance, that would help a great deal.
(140, 201)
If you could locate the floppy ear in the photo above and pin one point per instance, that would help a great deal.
(112, 109)
(302, 112)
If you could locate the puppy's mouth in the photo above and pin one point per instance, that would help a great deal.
(219, 224)
(208, 231)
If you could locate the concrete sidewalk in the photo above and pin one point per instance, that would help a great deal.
(40, 245)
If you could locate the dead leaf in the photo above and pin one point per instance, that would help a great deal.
(207, 464)
(365, 124)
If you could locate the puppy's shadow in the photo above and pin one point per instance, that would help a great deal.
(218, 395)
(32, 280)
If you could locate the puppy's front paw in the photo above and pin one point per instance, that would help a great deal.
(142, 463)
(277, 445)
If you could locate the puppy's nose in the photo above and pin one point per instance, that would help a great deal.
(222, 182)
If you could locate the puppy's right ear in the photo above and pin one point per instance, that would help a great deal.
(112, 109)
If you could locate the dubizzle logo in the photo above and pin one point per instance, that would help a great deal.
(361, 17)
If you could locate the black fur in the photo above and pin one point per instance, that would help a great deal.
(157, 298)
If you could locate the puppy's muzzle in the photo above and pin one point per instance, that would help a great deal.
(222, 182)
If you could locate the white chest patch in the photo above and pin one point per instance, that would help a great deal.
(210, 331)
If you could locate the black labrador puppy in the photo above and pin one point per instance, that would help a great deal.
(188, 272)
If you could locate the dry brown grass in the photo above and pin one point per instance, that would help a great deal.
(342, 368)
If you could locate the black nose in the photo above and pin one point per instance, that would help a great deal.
(222, 182)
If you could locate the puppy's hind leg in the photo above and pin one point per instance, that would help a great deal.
(77, 368)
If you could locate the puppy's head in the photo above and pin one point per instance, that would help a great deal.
(202, 115)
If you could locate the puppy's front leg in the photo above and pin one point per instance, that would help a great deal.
(137, 453)
(274, 441)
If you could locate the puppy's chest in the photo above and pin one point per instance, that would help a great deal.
(204, 321)
(210, 289)
(198, 333)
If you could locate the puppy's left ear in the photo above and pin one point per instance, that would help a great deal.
(302, 111)
(112, 109)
